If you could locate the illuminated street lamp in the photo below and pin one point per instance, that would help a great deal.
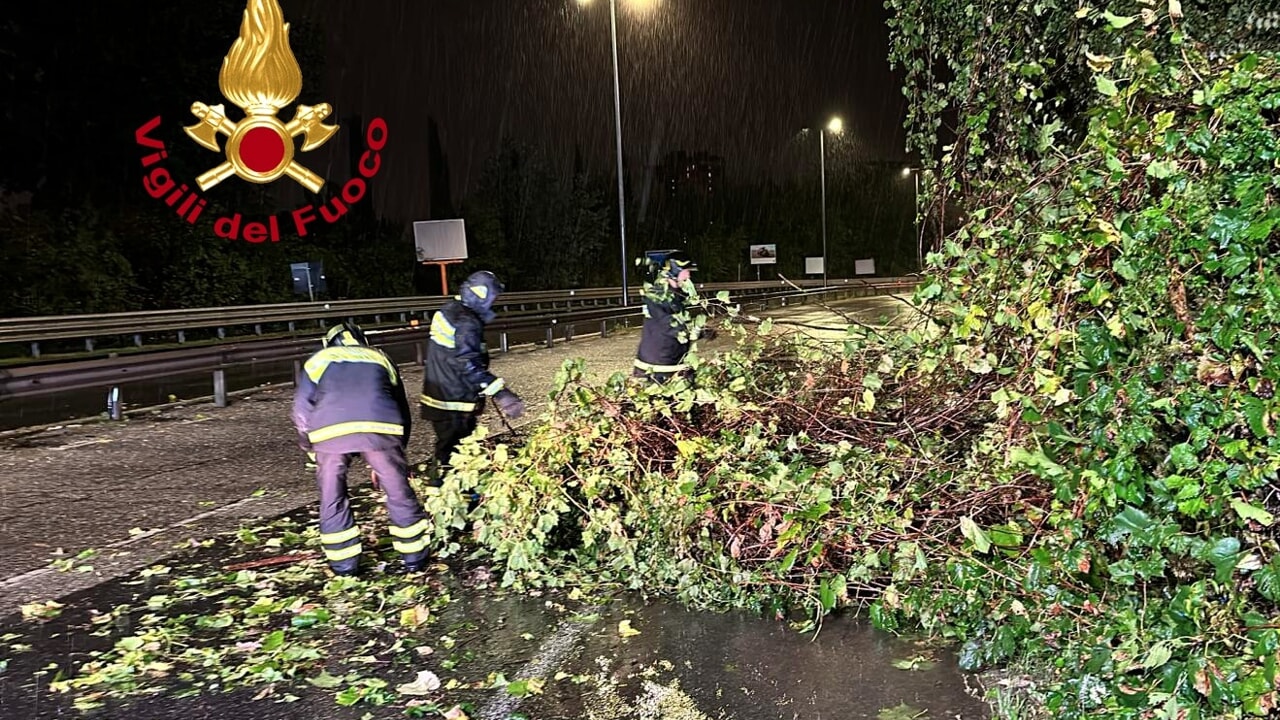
(640, 6)
(835, 126)
(915, 210)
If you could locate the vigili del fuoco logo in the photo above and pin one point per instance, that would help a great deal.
(261, 76)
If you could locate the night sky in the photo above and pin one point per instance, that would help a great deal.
(738, 78)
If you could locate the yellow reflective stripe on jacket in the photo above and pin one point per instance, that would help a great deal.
(446, 404)
(351, 428)
(492, 388)
(443, 332)
(407, 548)
(341, 536)
(412, 531)
(321, 361)
(648, 367)
(343, 554)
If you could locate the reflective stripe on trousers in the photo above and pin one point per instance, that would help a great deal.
(339, 535)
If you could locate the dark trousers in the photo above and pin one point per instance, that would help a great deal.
(339, 535)
(449, 433)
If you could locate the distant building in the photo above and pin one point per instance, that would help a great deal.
(687, 174)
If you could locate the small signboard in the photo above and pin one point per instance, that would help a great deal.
(440, 240)
(308, 278)
(864, 267)
(764, 254)
(813, 266)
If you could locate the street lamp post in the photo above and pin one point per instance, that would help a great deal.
(835, 126)
(915, 215)
(617, 127)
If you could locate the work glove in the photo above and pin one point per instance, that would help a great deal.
(509, 403)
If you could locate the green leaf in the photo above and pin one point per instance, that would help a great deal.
(1118, 21)
(975, 534)
(1135, 521)
(1106, 85)
(325, 680)
(1161, 169)
(1159, 654)
(273, 641)
(1222, 556)
(1255, 411)
(130, 644)
(788, 561)
(827, 595)
(1248, 511)
(349, 697)
(1267, 580)
(723, 296)
(1125, 269)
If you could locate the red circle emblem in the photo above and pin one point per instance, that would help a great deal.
(262, 149)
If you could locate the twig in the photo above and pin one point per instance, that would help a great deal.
(271, 561)
(841, 314)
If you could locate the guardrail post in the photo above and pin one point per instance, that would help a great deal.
(568, 333)
(551, 332)
(403, 319)
(297, 370)
(88, 344)
(504, 342)
(115, 404)
(182, 336)
(421, 349)
(257, 329)
(137, 340)
(292, 326)
(604, 328)
(222, 333)
(377, 319)
(35, 349)
(220, 387)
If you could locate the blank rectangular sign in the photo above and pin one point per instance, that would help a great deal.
(813, 266)
(437, 240)
(864, 267)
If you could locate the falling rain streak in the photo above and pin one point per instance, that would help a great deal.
(737, 79)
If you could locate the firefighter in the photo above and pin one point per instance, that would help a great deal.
(350, 401)
(668, 333)
(456, 379)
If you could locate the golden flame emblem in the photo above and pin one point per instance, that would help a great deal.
(261, 76)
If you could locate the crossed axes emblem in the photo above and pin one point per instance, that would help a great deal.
(308, 121)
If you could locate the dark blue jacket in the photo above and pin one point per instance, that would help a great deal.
(350, 399)
(456, 375)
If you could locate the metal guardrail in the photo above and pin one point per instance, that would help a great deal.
(100, 373)
(140, 325)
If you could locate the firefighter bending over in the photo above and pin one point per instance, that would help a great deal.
(668, 333)
(350, 401)
(456, 379)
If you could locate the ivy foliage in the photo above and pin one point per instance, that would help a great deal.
(1066, 459)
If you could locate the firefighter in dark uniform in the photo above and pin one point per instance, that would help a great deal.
(667, 334)
(456, 379)
(350, 401)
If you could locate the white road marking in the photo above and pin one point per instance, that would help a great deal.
(550, 655)
(19, 579)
